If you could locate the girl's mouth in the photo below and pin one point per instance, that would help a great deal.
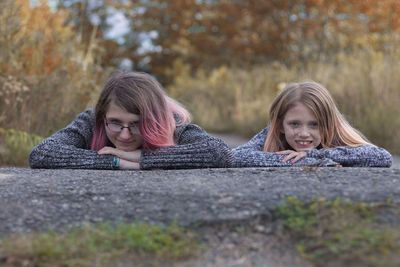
(304, 143)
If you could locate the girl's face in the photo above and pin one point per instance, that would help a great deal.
(122, 128)
(301, 128)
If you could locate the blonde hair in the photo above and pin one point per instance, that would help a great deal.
(334, 129)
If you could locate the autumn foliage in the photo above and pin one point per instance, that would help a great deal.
(209, 34)
(45, 75)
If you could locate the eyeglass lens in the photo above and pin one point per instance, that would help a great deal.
(115, 127)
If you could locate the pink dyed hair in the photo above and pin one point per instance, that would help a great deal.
(140, 93)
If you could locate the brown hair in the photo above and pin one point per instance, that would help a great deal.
(139, 93)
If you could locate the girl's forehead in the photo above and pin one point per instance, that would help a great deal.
(299, 110)
(118, 113)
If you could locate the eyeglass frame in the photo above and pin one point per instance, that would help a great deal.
(135, 129)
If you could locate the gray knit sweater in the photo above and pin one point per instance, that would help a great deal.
(70, 148)
(251, 155)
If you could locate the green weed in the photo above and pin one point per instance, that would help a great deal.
(15, 147)
(339, 233)
(101, 244)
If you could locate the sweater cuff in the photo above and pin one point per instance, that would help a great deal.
(115, 163)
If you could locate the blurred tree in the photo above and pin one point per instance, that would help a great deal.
(96, 19)
(211, 33)
(27, 44)
(247, 32)
(46, 75)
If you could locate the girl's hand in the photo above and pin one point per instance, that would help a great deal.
(128, 165)
(291, 155)
(128, 159)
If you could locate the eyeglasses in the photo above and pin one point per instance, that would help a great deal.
(117, 128)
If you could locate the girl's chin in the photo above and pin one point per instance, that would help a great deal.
(304, 149)
(126, 149)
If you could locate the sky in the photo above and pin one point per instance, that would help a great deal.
(119, 25)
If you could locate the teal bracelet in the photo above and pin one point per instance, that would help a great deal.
(115, 163)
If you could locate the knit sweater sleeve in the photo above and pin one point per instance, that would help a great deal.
(361, 156)
(70, 147)
(194, 149)
(251, 154)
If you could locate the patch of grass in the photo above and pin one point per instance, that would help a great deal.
(98, 245)
(15, 146)
(339, 233)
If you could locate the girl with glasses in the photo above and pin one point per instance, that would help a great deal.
(134, 125)
(306, 128)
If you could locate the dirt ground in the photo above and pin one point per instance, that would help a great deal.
(252, 244)
(247, 244)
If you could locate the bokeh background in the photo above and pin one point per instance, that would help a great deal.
(224, 60)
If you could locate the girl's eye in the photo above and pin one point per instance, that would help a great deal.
(294, 124)
(314, 125)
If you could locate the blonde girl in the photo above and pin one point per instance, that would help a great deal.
(306, 128)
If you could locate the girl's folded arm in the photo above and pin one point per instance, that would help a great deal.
(254, 158)
(362, 156)
(70, 148)
(255, 143)
(194, 149)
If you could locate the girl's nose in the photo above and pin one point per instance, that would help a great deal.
(304, 132)
(125, 133)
